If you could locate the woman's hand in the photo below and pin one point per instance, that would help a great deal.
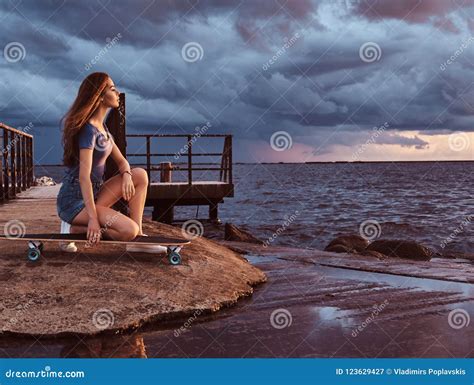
(93, 231)
(128, 189)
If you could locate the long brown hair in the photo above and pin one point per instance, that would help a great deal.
(87, 101)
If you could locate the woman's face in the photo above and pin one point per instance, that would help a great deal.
(111, 95)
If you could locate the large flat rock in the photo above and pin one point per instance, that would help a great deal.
(105, 289)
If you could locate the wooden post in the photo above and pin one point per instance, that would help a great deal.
(190, 161)
(163, 212)
(165, 174)
(13, 163)
(2, 187)
(6, 151)
(31, 176)
(148, 161)
(116, 124)
(213, 206)
(18, 143)
(222, 173)
(229, 161)
(24, 184)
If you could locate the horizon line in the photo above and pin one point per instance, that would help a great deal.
(309, 162)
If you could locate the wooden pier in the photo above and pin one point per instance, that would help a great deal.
(166, 194)
(16, 162)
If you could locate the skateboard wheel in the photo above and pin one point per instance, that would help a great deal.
(174, 258)
(35, 245)
(34, 254)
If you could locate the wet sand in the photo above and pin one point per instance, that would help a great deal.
(305, 309)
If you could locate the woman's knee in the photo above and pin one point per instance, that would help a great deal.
(128, 230)
(139, 175)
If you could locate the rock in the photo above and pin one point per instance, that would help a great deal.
(347, 244)
(45, 181)
(103, 289)
(339, 249)
(401, 249)
(233, 233)
(372, 253)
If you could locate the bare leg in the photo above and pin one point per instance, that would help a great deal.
(115, 225)
(137, 202)
(111, 192)
(77, 229)
(109, 234)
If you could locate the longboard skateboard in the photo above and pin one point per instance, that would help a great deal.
(35, 243)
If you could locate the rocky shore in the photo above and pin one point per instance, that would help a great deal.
(104, 289)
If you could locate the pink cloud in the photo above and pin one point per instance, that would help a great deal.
(445, 24)
(274, 16)
(414, 11)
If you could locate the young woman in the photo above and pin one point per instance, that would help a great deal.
(84, 200)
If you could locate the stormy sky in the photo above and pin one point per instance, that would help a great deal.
(294, 80)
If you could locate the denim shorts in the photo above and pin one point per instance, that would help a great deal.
(69, 202)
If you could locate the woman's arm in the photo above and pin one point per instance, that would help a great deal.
(85, 167)
(119, 159)
(128, 188)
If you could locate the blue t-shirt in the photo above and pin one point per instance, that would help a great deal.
(90, 137)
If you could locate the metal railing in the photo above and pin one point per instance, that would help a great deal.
(225, 167)
(16, 162)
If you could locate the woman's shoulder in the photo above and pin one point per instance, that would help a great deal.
(87, 136)
(87, 128)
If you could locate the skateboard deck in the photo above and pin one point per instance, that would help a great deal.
(35, 243)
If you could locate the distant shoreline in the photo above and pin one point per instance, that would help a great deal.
(326, 162)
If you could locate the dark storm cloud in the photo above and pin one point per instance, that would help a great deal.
(247, 82)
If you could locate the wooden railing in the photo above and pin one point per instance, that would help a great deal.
(16, 162)
(225, 167)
